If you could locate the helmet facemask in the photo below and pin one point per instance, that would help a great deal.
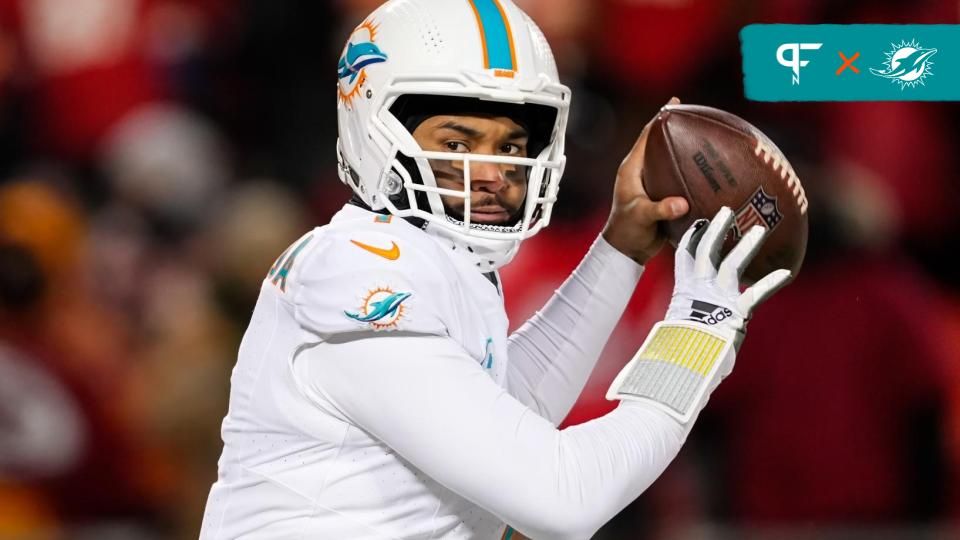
(410, 189)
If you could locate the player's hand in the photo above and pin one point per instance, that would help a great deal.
(632, 226)
(687, 355)
(708, 294)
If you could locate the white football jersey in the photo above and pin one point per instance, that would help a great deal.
(372, 398)
(292, 465)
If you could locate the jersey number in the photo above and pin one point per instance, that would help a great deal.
(278, 273)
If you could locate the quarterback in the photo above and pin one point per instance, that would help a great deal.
(377, 393)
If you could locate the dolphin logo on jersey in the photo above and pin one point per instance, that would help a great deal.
(382, 308)
(357, 57)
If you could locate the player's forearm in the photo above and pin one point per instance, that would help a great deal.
(601, 466)
(553, 353)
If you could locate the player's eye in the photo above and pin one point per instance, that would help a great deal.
(456, 146)
(511, 149)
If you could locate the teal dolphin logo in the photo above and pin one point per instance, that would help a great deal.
(358, 56)
(379, 309)
(908, 64)
(361, 51)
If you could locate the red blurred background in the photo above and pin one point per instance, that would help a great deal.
(157, 155)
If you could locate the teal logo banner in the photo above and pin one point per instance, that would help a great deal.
(856, 62)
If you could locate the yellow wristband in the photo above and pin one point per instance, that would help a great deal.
(673, 368)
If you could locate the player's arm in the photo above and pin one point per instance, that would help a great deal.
(431, 402)
(553, 353)
(427, 399)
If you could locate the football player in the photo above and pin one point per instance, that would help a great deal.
(377, 393)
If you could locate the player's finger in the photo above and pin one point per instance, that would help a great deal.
(669, 208)
(687, 247)
(763, 289)
(739, 258)
(708, 252)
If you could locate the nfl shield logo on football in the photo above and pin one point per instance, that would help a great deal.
(760, 210)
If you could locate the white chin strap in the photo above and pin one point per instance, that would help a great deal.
(486, 255)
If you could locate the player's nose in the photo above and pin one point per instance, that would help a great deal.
(485, 176)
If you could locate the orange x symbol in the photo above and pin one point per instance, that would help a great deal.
(848, 62)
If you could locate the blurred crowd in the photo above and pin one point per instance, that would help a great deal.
(157, 155)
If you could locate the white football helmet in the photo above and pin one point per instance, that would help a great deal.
(484, 50)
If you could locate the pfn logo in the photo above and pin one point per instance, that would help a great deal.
(794, 62)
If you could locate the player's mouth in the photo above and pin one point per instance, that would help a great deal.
(490, 215)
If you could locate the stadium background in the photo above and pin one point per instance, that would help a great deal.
(157, 155)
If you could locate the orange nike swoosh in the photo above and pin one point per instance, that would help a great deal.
(391, 254)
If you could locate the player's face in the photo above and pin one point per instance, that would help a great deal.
(497, 191)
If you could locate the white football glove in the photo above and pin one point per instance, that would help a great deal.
(687, 355)
(711, 296)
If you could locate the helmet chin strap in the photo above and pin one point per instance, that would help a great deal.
(483, 254)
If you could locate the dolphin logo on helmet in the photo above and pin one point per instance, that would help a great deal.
(360, 52)
(357, 57)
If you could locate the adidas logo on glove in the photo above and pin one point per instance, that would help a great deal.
(707, 313)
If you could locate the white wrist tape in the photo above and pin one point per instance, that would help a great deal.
(674, 368)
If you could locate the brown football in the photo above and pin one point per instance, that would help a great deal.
(714, 158)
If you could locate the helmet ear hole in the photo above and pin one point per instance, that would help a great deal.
(399, 199)
(346, 172)
(355, 178)
(394, 183)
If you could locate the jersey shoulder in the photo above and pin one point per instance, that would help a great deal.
(365, 271)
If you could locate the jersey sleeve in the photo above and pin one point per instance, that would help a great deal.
(368, 281)
(440, 411)
(554, 352)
